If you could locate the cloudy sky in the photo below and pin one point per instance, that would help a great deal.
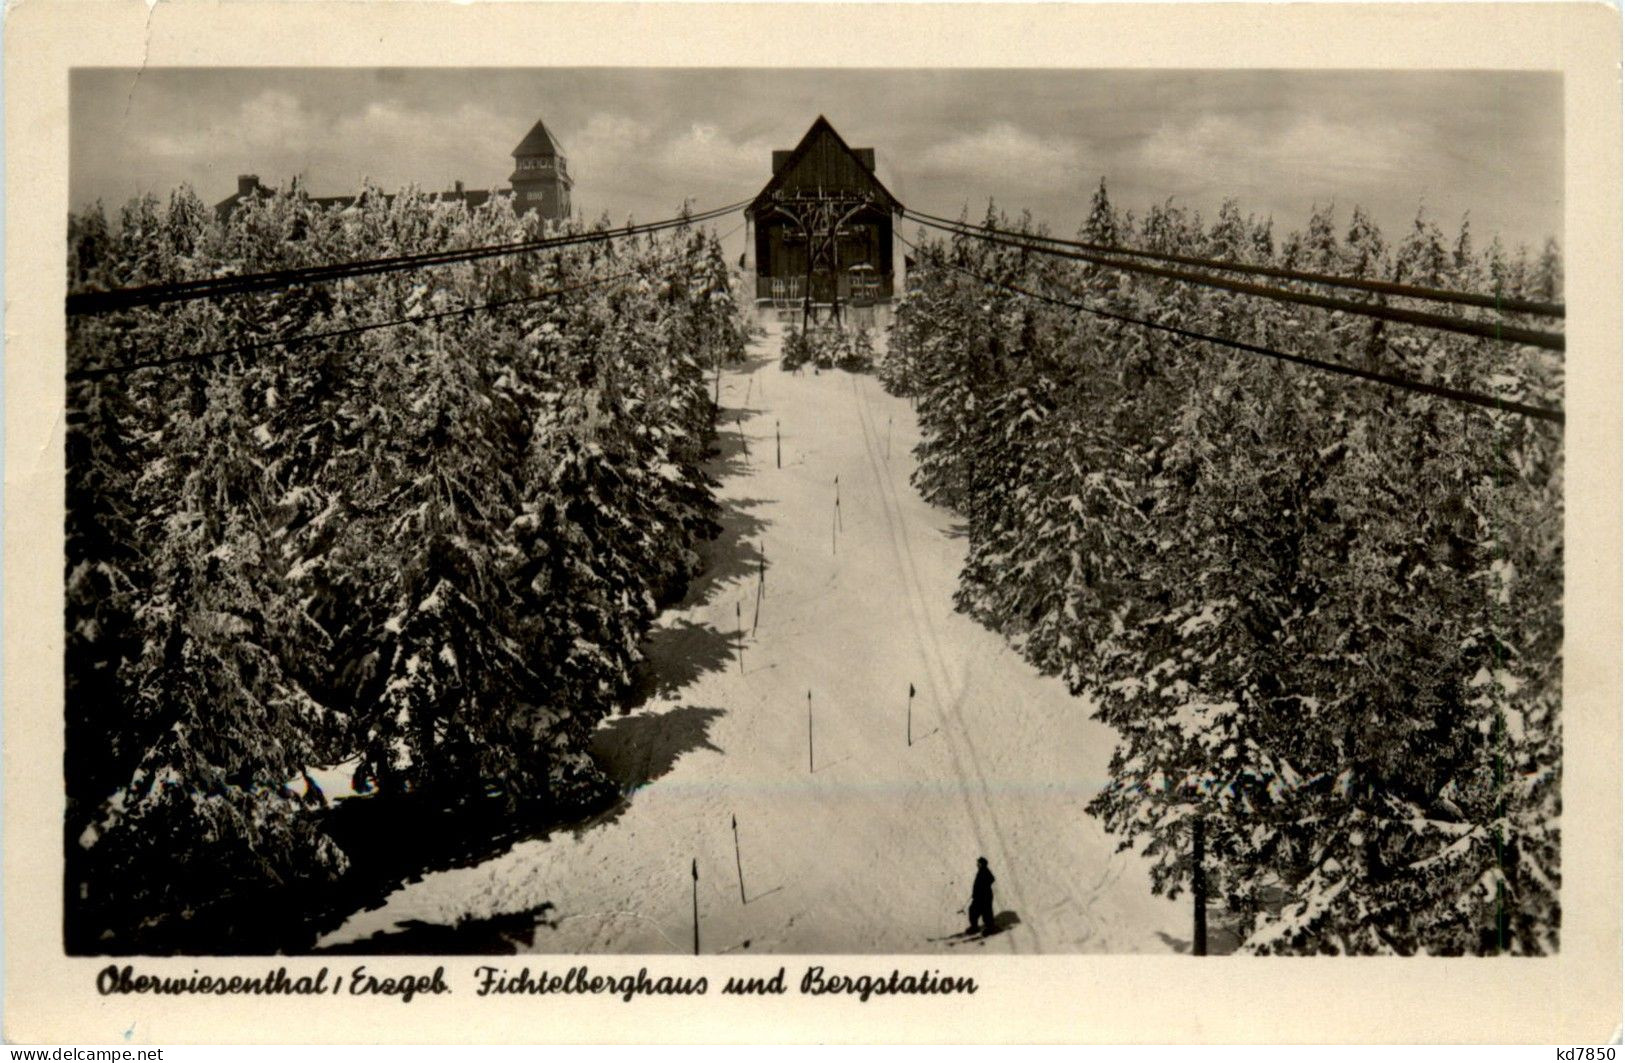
(640, 141)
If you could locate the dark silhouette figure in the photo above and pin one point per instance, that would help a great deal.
(981, 898)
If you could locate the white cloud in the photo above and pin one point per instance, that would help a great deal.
(275, 134)
(607, 135)
(272, 117)
(704, 153)
(268, 121)
(1310, 148)
(1002, 150)
(641, 168)
(600, 150)
(467, 134)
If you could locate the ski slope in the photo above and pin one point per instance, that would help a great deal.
(873, 849)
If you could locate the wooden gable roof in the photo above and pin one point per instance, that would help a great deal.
(823, 160)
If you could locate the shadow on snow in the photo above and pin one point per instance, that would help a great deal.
(633, 749)
(674, 658)
(497, 935)
(636, 750)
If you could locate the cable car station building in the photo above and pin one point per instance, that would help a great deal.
(821, 235)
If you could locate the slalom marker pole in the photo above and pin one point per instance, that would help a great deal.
(778, 448)
(911, 714)
(835, 520)
(757, 618)
(695, 869)
(739, 629)
(739, 864)
(739, 423)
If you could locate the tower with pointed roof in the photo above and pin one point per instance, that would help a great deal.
(541, 175)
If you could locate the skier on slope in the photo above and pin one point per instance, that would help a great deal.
(981, 898)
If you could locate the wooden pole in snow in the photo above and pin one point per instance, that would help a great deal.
(739, 864)
(1199, 888)
(739, 423)
(761, 578)
(778, 448)
(809, 733)
(695, 869)
(835, 520)
(739, 630)
(911, 714)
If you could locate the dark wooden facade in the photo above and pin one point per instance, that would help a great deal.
(823, 225)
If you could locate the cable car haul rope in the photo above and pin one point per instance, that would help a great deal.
(1196, 270)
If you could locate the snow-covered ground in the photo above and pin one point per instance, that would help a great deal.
(874, 849)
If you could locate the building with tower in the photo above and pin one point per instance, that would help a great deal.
(541, 183)
(541, 175)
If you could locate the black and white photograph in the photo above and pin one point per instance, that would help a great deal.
(535, 517)
(584, 511)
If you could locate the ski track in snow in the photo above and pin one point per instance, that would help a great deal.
(938, 675)
(874, 850)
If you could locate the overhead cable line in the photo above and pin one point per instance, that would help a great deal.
(1484, 329)
(1506, 304)
(1395, 380)
(300, 339)
(81, 303)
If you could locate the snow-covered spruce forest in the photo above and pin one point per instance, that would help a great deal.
(427, 551)
(1324, 617)
(1321, 617)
